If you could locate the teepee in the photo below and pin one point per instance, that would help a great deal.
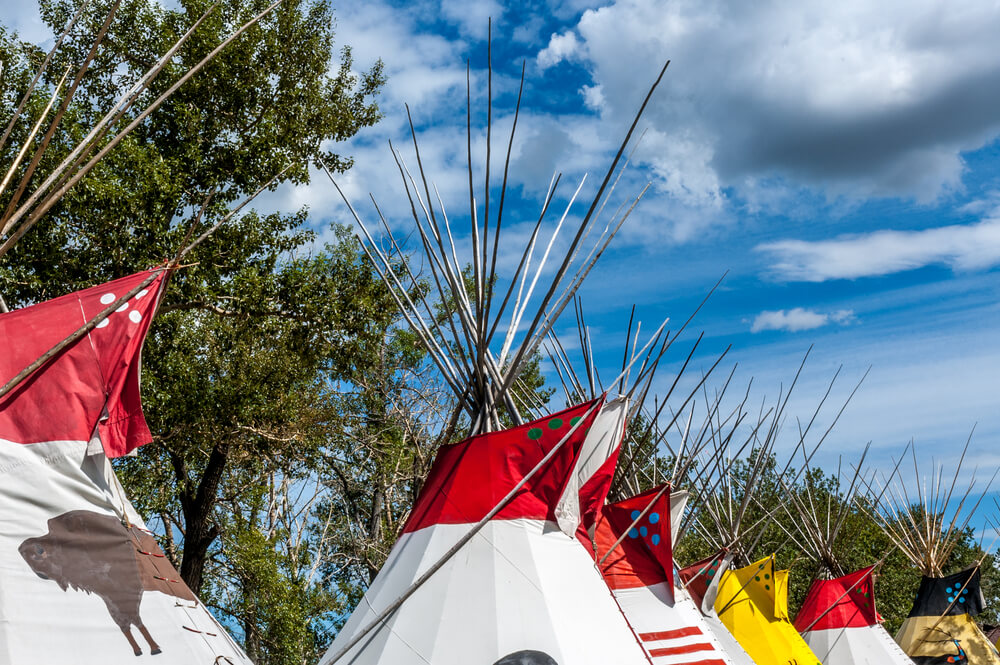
(941, 627)
(488, 568)
(81, 578)
(838, 619)
(633, 539)
(486, 573)
(633, 548)
(753, 604)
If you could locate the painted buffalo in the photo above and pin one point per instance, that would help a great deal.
(527, 658)
(98, 554)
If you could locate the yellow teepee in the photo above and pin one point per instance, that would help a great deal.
(753, 604)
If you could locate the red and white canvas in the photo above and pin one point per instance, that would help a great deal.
(595, 468)
(640, 573)
(701, 581)
(839, 623)
(521, 592)
(81, 579)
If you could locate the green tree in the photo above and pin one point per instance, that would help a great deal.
(242, 365)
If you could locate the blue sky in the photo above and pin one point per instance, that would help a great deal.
(839, 160)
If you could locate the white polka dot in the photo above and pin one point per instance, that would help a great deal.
(141, 293)
(107, 298)
(134, 316)
(103, 323)
(123, 307)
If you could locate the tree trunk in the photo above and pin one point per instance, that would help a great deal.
(200, 532)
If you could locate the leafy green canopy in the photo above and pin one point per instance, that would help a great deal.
(243, 365)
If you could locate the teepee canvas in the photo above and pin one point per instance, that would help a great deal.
(633, 547)
(940, 628)
(701, 582)
(81, 579)
(839, 623)
(926, 518)
(521, 590)
(753, 604)
(837, 619)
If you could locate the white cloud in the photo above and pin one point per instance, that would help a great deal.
(798, 318)
(855, 99)
(561, 47)
(959, 247)
(472, 18)
(593, 97)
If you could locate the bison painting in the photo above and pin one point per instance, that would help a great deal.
(98, 554)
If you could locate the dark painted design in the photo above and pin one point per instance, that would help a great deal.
(527, 657)
(955, 594)
(98, 554)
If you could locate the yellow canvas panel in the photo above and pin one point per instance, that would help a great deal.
(781, 595)
(933, 639)
(753, 604)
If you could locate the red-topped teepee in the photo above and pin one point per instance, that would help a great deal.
(81, 579)
(521, 590)
(633, 542)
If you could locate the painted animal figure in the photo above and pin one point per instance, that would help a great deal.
(98, 554)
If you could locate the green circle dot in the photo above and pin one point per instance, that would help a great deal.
(574, 420)
(767, 587)
(757, 577)
(555, 423)
(535, 433)
(766, 576)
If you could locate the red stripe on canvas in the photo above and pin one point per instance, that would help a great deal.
(670, 634)
(686, 648)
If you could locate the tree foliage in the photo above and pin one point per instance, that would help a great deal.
(243, 364)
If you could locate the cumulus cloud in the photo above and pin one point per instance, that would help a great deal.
(593, 97)
(961, 247)
(472, 18)
(853, 98)
(561, 47)
(798, 318)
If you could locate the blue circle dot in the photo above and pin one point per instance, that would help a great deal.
(635, 514)
(643, 531)
(947, 589)
(951, 599)
(961, 600)
(655, 539)
(965, 591)
(633, 533)
(654, 518)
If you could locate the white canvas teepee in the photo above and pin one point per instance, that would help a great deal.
(633, 547)
(700, 582)
(521, 590)
(839, 623)
(81, 579)
(838, 619)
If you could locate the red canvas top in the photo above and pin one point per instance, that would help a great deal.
(644, 557)
(471, 477)
(850, 600)
(65, 399)
(698, 576)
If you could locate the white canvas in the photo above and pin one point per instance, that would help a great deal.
(518, 585)
(671, 622)
(861, 645)
(40, 622)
